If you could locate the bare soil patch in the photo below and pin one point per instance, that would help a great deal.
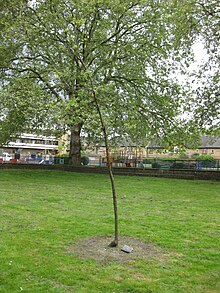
(97, 248)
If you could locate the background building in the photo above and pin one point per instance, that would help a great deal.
(31, 147)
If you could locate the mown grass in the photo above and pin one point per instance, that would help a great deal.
(44, 212)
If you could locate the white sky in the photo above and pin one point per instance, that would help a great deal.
(200, 55)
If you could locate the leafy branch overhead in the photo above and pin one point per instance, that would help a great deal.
(131, 51)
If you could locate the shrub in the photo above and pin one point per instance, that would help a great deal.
(195, 156)
(85, 160)
(179, 165)
(147, 161)
(205, 158)
(156, 165)
(183, 156)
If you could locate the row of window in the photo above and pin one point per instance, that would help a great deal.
(37, 141)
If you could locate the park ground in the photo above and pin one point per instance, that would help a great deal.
(56, 227)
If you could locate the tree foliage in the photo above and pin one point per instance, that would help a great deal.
(128, 50)
(206, 80)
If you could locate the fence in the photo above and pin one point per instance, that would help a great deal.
(146, 163)
(158, 163)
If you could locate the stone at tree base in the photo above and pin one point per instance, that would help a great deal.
(127, 249)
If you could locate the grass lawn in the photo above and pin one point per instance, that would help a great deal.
(45, 212)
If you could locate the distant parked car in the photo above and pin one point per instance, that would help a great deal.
(6, 157)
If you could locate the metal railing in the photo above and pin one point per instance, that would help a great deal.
(158, 163)
(124, 162)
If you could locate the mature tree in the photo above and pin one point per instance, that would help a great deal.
(126, 49)
(102, 66)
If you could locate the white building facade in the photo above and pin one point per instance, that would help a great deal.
(31, 147)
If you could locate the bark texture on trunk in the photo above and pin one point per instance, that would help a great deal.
(75, 145)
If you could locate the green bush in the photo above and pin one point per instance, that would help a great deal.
(156, 165)
(147, 161)
(179, 165)
(205, 158)
(195, 156)
(183, 156)
(85, 160)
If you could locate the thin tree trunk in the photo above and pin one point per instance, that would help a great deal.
(114, 195)
(109, 165)
(75, 145)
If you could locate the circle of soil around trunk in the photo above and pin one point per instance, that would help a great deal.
(97, 248)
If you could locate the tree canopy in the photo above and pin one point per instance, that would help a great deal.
(127, 52)
(206, 79)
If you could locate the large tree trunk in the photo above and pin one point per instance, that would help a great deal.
(75, 145)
